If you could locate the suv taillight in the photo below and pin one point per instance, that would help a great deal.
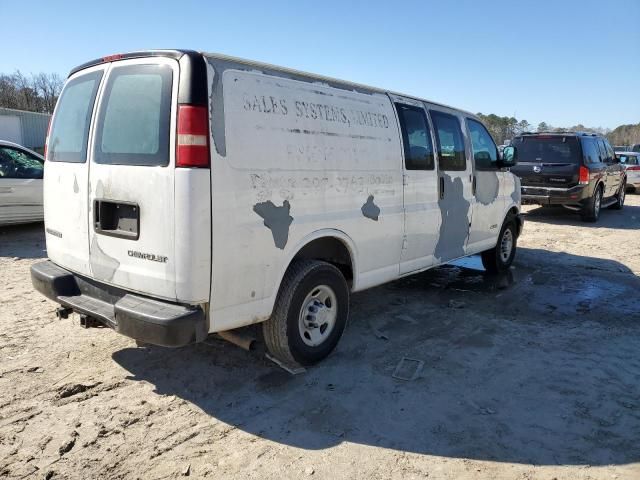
(584, 175)
(635, 167)
(193, 137)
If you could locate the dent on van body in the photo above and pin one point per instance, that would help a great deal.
(103, 266)
(454, 228)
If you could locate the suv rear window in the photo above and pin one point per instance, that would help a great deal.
(70, 128)
(547, 149)
(134, 117)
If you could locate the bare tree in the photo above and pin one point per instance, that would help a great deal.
(35, 93)
(48, 87)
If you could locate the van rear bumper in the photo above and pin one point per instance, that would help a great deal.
(150, 321)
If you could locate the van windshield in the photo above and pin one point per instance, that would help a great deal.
(70, 128)
(547, 149)
(134, 117)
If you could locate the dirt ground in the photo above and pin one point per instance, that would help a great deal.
(531, 375)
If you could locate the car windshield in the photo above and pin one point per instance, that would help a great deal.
(547, 149)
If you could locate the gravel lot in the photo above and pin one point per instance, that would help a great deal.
(535, 374)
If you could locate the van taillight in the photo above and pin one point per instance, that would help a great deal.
(584, 175)
(46, 140)
(193, 137)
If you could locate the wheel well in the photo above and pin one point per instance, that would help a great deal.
(513, 214)
(330, 250)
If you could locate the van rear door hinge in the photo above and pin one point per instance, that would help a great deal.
(404, 242)
(405, 179)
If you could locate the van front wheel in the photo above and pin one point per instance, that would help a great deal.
(500, 258)
(310, 313)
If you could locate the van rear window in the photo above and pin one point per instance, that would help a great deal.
(547, 149)
(70, 128)
(134, 117)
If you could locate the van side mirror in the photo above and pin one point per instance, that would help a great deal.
(509, 157)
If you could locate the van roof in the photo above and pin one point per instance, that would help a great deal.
(177, 54)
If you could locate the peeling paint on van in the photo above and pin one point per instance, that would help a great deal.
(454, 228)
(517, 191)
(276, 219)
(370, 209)
(487, 187)
(217, 67)
(103, 266)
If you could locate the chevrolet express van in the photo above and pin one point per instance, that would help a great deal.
(188, 193)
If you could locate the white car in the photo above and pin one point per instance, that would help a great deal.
(189, 193)
(21, 172)
(631, 163)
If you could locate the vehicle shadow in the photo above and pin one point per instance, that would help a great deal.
(23, 241)
(539, 366)
(626, 219)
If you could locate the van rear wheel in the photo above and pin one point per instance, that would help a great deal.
(500, 258)
(310, 313)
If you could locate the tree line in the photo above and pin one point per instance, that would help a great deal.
(503, 129)
(36, 92)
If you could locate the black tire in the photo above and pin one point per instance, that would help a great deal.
(283, 332)
(622, 193)
(591, 211)
(495, 260)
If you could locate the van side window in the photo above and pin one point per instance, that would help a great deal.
(485, 152)
(451, 155)
(70, 127)
(416, 137)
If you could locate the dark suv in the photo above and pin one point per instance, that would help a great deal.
(579, 171)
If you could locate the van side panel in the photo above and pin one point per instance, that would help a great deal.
(295, 158)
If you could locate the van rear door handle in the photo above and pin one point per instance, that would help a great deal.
(441, 188)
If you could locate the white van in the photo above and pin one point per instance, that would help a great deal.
(189, 193)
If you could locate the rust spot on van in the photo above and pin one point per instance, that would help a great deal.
(370, 209)
(276, 219)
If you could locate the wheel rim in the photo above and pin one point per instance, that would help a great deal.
(506, 245)
(318, 315)
(596, 207)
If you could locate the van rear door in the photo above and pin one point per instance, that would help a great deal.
(66, 173)
(131, 207)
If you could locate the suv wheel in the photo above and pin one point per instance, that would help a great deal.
(621, 196)
(310, 313)
(591, 211)
(500, 258)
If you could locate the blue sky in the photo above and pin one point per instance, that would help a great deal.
(563, 62)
